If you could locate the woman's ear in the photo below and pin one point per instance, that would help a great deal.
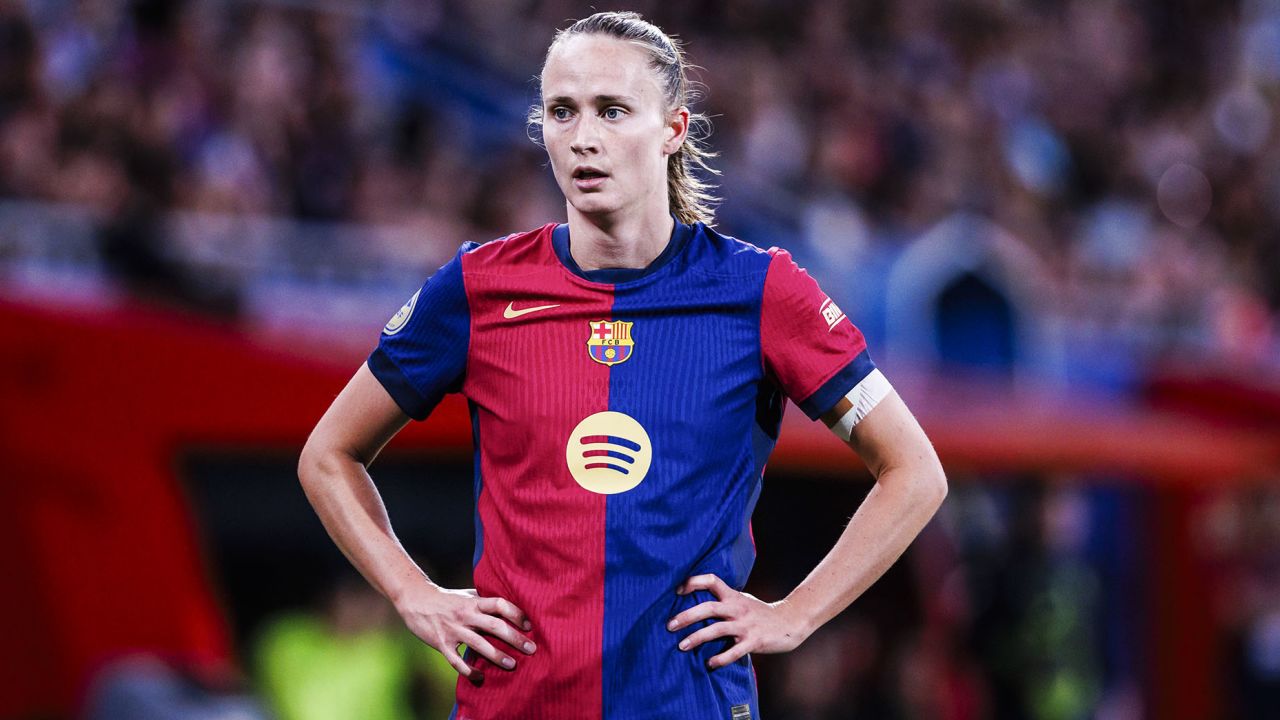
(677, 129)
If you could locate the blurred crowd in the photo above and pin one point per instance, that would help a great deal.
(1129, 150)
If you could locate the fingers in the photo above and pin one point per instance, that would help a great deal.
(445, 618)
(710, 582)
(739, 615)
(504, 608)
(732, 655)
(450, 653)
(477, 642)
(697, 613)
(710, 632)
(504, 632)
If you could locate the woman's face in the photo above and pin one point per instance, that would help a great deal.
(606, 126)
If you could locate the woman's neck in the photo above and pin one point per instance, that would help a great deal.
(634, 242)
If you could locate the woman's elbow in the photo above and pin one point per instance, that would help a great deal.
(307, 462)
(933, 482)
(315, 461)
(925, 480)
(940, 485)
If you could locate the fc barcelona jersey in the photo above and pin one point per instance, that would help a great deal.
(622, 420)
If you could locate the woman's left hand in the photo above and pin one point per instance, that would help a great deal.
(756, 626)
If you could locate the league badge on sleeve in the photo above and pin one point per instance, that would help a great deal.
(397, 321)
(610, 341)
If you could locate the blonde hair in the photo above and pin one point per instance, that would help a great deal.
(689, 197)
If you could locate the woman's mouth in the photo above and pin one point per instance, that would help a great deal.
(588, 178)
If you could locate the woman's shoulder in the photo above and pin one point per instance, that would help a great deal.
(728, 255)
(508, 253)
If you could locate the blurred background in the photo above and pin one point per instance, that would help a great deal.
(1057, 222)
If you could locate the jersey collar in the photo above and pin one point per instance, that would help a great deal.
(680, 235)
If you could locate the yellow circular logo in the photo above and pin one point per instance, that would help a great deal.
(608, 453)
(398, 321)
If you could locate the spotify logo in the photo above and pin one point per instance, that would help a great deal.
(608, 453)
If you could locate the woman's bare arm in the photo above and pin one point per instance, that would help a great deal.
(910, 486)
(333, 470)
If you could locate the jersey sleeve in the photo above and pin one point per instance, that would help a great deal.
(813, 351)
(422, 353)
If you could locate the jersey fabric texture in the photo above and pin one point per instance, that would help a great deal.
(622, 420)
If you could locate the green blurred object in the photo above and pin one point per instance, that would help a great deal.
(307, 671)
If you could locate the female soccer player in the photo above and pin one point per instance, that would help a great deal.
(626, 374)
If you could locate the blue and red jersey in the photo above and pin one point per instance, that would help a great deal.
(622, 420)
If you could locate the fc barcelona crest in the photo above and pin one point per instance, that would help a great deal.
(610, 341)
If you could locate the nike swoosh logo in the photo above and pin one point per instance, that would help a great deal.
(511, 313)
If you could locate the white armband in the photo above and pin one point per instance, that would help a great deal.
(864, 396)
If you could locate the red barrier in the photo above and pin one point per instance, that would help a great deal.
(101, 557)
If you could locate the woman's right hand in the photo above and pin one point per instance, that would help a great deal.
(443, 618)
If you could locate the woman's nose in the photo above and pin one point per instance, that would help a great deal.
(586, 137)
